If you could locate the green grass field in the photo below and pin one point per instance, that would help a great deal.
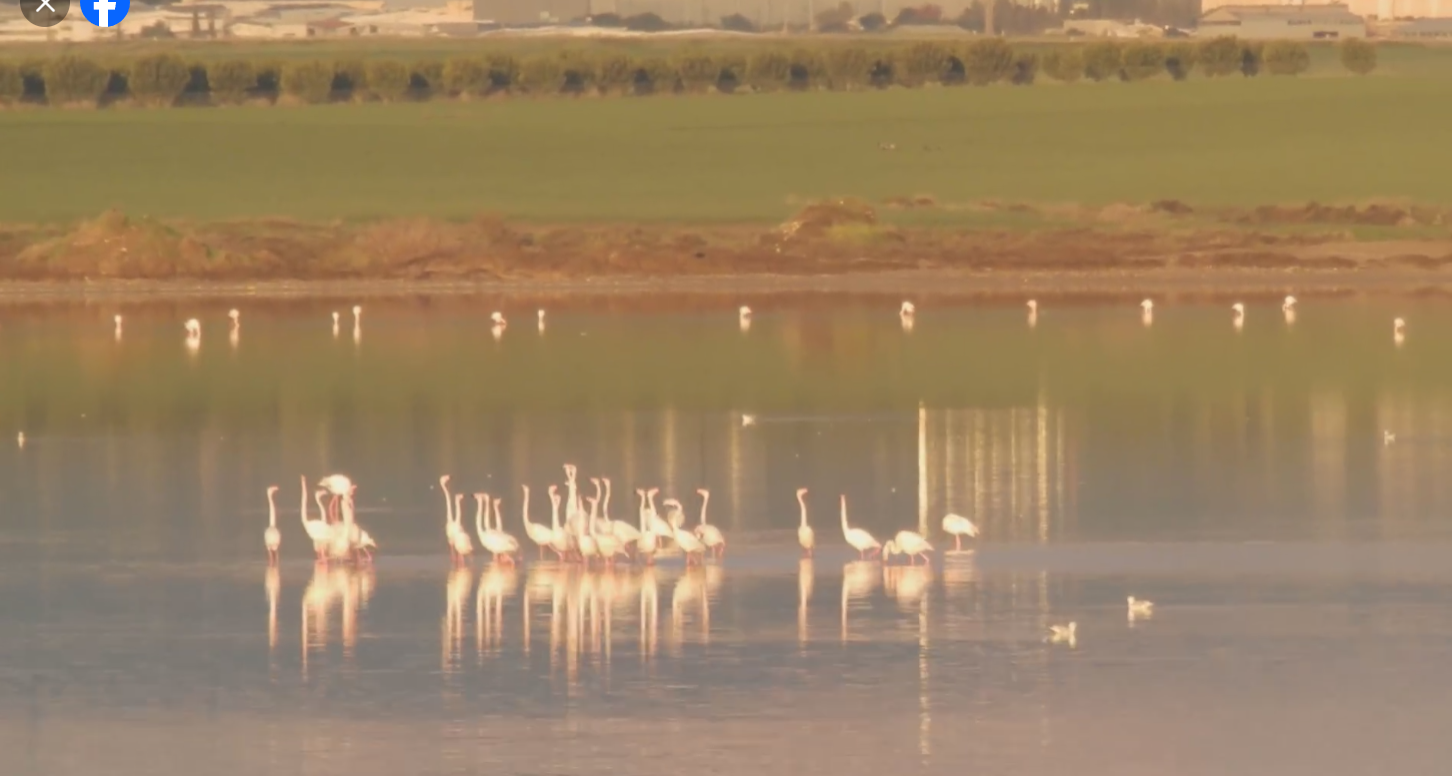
(1231, 141)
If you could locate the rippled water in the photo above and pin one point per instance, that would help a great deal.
(1239, 478)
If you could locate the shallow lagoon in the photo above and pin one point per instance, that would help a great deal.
(1239, 478)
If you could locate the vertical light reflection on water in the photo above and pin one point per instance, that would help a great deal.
(649, 616)
(1041, 465)
(923, 470)
(1328, 459)
(925, 684)
(859, 578)
(456, 594)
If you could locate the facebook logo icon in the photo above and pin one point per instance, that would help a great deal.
(104, 13)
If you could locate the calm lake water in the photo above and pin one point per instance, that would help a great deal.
(1300, 562)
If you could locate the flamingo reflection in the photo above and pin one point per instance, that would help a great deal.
(859, 578)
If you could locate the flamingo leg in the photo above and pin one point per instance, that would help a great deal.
(958, 542)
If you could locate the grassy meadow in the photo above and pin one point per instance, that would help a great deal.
(1232, 141)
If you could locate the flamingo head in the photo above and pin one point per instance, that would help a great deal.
(118, 320)
(1147, 305)
(497, 317)
(1033, 305)
(481, 497)
(605, 480)
(554, 491)
(540, 313)
(1399, 324)
(652, 491)
(570, 472)
(744, 311)
(271, 489)
(193, 326)
(1289, 303)
(357, 310)
(364, 540)
(444, 480)
(801, 492)
(1238, 308)
(234, 314)
(702, 492)
(336, 316)
(907, 309)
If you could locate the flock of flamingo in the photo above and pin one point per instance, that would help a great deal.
(575, 534)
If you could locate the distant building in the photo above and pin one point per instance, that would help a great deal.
(524, 12)
(1425, 29)
(1283, 22)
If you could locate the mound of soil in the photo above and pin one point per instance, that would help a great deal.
(818, 219)
(1351, 215)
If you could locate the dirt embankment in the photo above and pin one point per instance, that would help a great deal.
(825, 238)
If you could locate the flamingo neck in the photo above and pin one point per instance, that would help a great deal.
(555, 512)
(448, 504)
(271, 511)
(705, 499)
(479, 515)
(605, 505)
(803, 502)
(524, 510)
(304, 506)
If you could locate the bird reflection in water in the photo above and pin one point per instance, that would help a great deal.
(649, 614)
(690, 593)
(496, 583)
(907, 584)
(349, 588)
(859, 579)
(456, 593)
(272, 583)
(805, 578)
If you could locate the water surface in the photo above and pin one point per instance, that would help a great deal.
(1240, 478)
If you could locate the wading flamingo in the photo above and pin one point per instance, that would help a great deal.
(117, 319)
(1147, 311)
(194, 334)
(664, 527)
(909, 543)
(560, 539)
(585, 539)
(537, 532)
(317, 530)
(272, 538)
(958, 527)
(691, 546)
(860, 540)
(462, 544)
(805, 535)
(649, 541)
(541, 314)
(743, 318)
(607, 544)
(336, 316)
(450, 527)
(907, 314)
(1239, 310)
(1399, 331)
(711, 536)
(628, 534)
(508, 544)
(1033, 314)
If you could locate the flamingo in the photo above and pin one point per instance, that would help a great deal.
(317, 530)
(573, 513)
(1289, 304)
(541, 314)
(607, 544)
(585, 540)
(335, 324)
(117, 319)
(648, 542)
(690, 545)
(1239, 310)
(1399, 334)
(340, 487)
(459, 539)
(909, 543)
(661, 526)
(495, 541)
(357, 323)
(537, 532)
(908, 314)
(959, 526)
(560, 539)
(711, 536)
(194, 334)
(1138, 607)
(498, 319)
(1147, 311)
(805, 535)
(628, 534)
(505, 538)
(450, 527)
(236, 318)
(860, 540)
(1033, 312)
(272, 538)
(366, 545)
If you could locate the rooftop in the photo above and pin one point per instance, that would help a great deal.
(1316, 11)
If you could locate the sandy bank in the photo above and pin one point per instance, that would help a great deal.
(839, 247)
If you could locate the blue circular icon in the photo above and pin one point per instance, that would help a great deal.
(104, 13)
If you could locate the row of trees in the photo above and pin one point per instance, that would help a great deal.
(167, 79)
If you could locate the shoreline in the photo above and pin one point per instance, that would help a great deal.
(1000, 285)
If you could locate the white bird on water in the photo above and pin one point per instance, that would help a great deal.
(958, 527)
(743, 318)
(747, 420)
(20, 440)
(117, 319)
(194, 334)
(909, 543)
(1399, 331)
(1289, 308)
(271, 537)
(1239, 319)
(1064, 634)
(358, 325)
(236, 331)
(908, 314)
(497, 330)
(1147, 311)
(541, 314)
(336, 316)
(1033, 312)
(860, 540)
(805, 535)
(1138, 607)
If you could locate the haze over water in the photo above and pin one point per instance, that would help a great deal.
(1298, 562)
